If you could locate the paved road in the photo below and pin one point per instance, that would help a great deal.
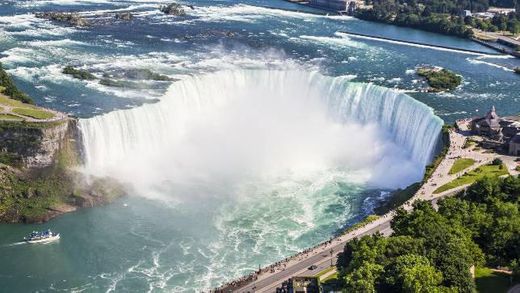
(322, 260)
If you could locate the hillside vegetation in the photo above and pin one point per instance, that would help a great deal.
(8, 88)
(433, 251)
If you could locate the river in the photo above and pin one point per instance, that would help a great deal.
(277, 133)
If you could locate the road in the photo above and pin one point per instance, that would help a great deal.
(321, 260)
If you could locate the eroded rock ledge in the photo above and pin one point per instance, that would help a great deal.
(38, 176)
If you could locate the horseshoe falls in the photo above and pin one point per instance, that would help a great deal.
(249, 166)
(280, 117)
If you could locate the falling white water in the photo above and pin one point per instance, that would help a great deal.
(212, 132)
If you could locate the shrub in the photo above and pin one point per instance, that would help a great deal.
(440, 79)
(8, 88)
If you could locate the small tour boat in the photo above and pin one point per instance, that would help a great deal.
(42, 237)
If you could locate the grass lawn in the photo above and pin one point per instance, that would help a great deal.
(14, 103)
(461, 164)
(10, 117)
(324, 271)
(23, 109)
(470, 177)
(34, 113)
(331, 283)
(333, 277)
(490, 281)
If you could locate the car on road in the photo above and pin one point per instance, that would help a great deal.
(313, 267)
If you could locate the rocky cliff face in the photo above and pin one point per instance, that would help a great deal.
(38, 180)
(36, 146)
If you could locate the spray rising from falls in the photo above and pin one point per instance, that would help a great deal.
(211, 131)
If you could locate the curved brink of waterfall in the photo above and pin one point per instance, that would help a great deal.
(411, 124)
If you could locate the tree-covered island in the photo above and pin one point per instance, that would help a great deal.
(439, 79)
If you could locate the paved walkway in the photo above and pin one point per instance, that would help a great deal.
(269, 278)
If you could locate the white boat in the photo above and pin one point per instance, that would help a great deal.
(42, 237)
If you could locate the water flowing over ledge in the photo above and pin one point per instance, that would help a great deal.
(112, 137)
(411, 123)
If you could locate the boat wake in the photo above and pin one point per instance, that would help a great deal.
(15, 244)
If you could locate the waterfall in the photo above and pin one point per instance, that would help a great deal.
(411, 123)
(123, 136)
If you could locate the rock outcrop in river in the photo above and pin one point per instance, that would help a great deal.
(124, 16)
(69, 18)
(173, 9)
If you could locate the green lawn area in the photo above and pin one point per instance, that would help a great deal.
(34, 113)
(333, 277)
(23, 109)
(461, 164)
(324, 271)
(10, 117)
(14, 103)
(470, 177)
(490, 281)
(331, 283)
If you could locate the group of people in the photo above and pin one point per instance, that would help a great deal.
(235, 284)
(279, 265)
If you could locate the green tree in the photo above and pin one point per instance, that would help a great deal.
(8, 88)
(417, 274)
(363, 279)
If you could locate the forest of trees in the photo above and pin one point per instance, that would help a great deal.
(441, 16)
(500, 22)
(433, 251)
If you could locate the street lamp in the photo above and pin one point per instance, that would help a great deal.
(331, 252)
